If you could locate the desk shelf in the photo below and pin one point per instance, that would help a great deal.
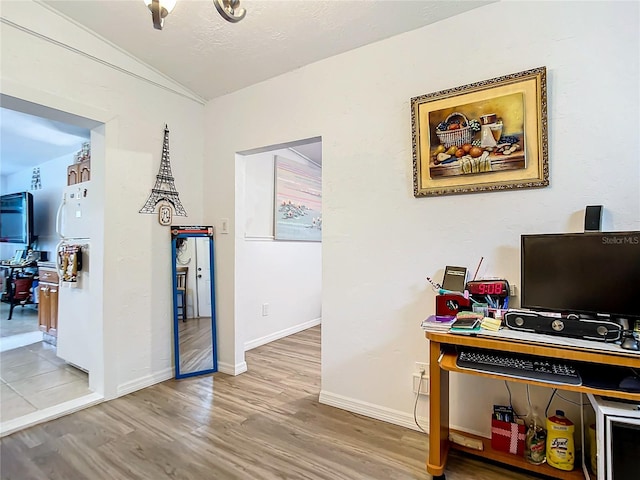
(442, 360)
(619, 358)
(515, 460)
(448, 362)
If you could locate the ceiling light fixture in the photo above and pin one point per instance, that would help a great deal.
(159, 10)
(228, 9)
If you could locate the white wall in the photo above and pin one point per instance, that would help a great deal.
(132, 250)
(379, 242)
(53, 175)
(285, 275)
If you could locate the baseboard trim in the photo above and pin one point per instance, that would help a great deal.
(20, 340)
(251, 344)
(384, 414)
(50, 413)
(231, 369)
(145, 382)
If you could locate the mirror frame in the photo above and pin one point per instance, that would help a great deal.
(192, 232)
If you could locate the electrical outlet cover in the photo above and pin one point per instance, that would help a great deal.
(424, 385)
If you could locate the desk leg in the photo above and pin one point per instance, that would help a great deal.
(438, 413)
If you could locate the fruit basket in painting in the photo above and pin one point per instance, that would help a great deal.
(455, 130)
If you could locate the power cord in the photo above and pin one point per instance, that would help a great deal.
(572, 402)
(415, 405)
(546, 410)
(555, 392)
(510, 402)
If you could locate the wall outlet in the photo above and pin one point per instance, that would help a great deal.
(265, 309)
(422, 366)
(224, 225)
(513, 291)
(424, 384)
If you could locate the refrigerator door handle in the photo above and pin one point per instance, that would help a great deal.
(59, 215)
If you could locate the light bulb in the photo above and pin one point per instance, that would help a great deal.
(167, 5)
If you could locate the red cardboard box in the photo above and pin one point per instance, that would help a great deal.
(508, 437)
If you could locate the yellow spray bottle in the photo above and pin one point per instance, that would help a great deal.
(560, 446)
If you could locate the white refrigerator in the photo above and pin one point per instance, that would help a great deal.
(73, 255)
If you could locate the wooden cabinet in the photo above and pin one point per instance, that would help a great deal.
(79, 172)
(84, 171)
(73, 173)
(48, 300)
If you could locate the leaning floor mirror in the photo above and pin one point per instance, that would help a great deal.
(194, 317)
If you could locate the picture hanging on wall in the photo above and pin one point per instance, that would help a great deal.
(164, 191)
(36, 182)
(298, 200)
(486, 136)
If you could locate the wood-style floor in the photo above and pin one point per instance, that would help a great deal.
(264, 424)
(195, 345)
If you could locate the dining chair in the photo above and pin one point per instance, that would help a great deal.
(181, 292)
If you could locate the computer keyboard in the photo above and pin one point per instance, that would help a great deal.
(543, 369)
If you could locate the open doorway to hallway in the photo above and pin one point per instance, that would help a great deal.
(278, 270)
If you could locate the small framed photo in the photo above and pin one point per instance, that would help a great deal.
(486, 136)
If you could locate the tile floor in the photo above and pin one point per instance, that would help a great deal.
(21, 330)
(33, 378)
(23, 320)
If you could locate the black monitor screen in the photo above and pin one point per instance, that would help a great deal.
(16, 218)
(585, 273)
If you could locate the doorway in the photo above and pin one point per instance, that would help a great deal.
(203, 277)
(37, 384)
(278, 282)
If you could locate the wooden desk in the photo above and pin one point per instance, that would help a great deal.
(440, 364)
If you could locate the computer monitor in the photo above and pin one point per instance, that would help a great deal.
(16, 218)
(589, 274)
(19, 256)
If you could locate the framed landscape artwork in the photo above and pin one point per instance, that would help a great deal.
(486, 136)
(298, 200)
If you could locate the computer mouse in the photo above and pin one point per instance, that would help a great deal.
(630, 384)
(630, 343)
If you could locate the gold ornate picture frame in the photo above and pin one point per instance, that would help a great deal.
(485, 136)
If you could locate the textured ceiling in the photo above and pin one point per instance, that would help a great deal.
(212, 57)
(27, 140)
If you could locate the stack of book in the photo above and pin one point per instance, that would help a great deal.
(435, 323)
(466, 322)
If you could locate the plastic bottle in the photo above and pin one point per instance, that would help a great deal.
(535, 441)
(560, 447)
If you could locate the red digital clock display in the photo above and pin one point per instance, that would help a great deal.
(488, 287)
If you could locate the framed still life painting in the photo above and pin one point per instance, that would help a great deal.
(486, 136)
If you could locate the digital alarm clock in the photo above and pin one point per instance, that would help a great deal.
(498, 288)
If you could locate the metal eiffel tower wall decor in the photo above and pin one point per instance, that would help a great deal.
(164, 190)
